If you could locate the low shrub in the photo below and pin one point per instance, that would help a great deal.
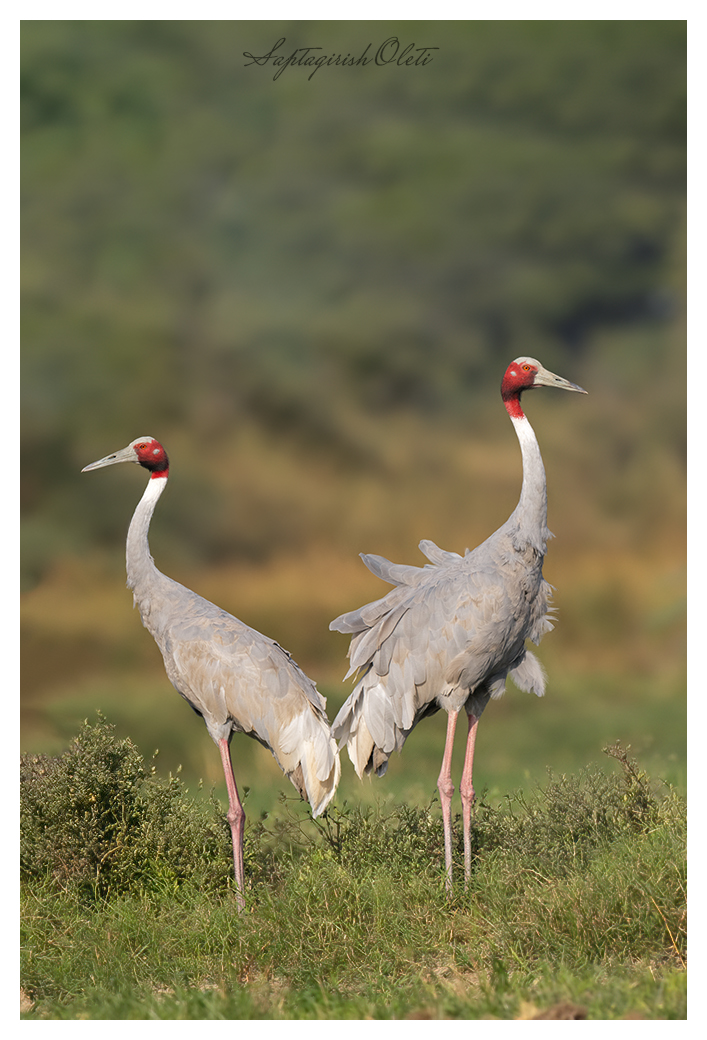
(97, 820)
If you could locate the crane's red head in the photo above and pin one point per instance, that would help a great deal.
(526, 373)
(146, 451)
(151, 455)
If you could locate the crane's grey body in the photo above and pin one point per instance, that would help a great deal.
(451, 632)
(238, 680)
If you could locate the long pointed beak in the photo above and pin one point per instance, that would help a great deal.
(545, 378)
(124, 455)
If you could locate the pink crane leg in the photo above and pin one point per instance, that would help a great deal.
(466, 790)
(236, 820)
(446, 790)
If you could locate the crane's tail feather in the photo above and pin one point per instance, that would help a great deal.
(308, 754)
(529, 675)
(368, 725)
(363, 752)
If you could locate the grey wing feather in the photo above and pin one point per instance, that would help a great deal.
(239, 680)
(436, 555)
(395, 573)
(401, 575)
(367, 642)
(448, 633)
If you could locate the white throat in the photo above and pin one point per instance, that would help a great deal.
(530, 514)
(139, 562)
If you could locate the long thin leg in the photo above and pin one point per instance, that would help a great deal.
(466, 790)
(236, 819)
(446, 790)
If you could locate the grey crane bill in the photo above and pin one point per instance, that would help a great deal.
(125, 455)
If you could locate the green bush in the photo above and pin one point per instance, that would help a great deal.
(94, 819)
(571, 819)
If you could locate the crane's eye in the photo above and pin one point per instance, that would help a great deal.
(526, 368)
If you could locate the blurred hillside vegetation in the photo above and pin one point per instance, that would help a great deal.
(308, 289)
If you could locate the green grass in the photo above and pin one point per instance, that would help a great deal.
(577, 897)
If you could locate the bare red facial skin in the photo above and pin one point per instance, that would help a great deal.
(153, 457)
(516, 379)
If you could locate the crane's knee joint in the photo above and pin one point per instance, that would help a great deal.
(235, 816)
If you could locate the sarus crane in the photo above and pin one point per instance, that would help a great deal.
(238, 680)
(450, 632)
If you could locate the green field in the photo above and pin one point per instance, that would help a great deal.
(575, 907)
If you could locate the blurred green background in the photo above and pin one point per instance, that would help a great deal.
(309, 289)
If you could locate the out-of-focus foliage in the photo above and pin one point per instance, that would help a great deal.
(211, 253)
(308, 289)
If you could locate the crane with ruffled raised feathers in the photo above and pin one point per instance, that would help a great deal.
(238, 680)
(450, 632)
